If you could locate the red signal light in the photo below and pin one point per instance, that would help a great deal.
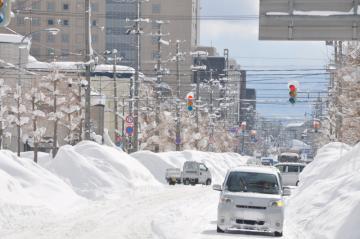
(292, 88)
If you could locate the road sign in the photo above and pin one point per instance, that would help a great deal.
(129, 119)
(178, 141)
(129, 130)
(320, 20)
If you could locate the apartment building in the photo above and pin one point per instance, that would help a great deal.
(182, 23)
(66, 15)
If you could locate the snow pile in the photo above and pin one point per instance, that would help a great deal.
(218, 163)
(327, 202)
(24, 183)
(96, 171)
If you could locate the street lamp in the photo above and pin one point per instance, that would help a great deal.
(53, 31)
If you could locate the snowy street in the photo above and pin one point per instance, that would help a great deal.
(172, 213)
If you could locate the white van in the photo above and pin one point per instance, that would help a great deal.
(196, 173)
(290, 172)
(251, 199)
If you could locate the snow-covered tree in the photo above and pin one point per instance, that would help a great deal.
(4, 89)
(55, 99)
(73, 114)
(36, 97)
(17, 115)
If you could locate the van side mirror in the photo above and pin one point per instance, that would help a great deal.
(286, 191)
(217, 187)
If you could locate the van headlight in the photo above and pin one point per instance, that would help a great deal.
(225, 200)
(279, 203)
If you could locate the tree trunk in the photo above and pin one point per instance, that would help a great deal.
(55, 123)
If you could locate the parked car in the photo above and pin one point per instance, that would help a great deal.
(251, 198)
(173, 176)
(267, 161)
(290, 172)
(196, 173)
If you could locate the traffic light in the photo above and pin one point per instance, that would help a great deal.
(190, 103)
(5, 12)
(292, 93)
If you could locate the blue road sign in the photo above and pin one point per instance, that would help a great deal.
(129, 130)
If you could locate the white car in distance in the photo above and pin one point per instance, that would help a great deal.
(251, 199)
(290, 173)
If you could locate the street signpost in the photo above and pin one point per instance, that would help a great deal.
(129, 130)
(129, 119)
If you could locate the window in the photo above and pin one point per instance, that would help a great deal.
(154, 55)
(65, 22)
(36, 36)
(202, 167)
(281, 168)
(50, 22)
(155, 39)
(50, 51)
(51, 7)
(36, 5)
(21, 5)
(94, 38)
(20, 20)
(94, 7)
(253, 182)
(66, 7)
(293, 169)
(155, 25)
(94, 23)
(36, 21)
(302, 168)
(65, 38)
(156, 8)
(50, 37)
(65, 52)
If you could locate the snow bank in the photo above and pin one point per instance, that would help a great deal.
(218, 163)
(25, 183)
(327, 202)
(96, 171)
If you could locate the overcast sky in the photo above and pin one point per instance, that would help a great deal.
(241, 38)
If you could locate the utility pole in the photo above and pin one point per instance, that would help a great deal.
(116, 122)
(211, 120)
(87, 70)
(226, 56)
(158, 81)
(178, 116)
(197, 99)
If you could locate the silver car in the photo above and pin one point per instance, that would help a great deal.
(251, 199)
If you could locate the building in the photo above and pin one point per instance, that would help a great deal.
(68, 16)
(181, 23)
(30, 76)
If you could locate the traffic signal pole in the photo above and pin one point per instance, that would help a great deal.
(87, 70)
(178, 116)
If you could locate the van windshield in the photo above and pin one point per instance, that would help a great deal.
(252, 182)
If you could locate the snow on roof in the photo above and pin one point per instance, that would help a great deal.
(34, 64)
(290, 154)
(11, 38)
(254, 169)
(296, 124)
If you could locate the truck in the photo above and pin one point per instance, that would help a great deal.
(173, 176)
(288, 157)
(195, 173)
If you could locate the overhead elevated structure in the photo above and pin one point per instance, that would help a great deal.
(313, 20)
